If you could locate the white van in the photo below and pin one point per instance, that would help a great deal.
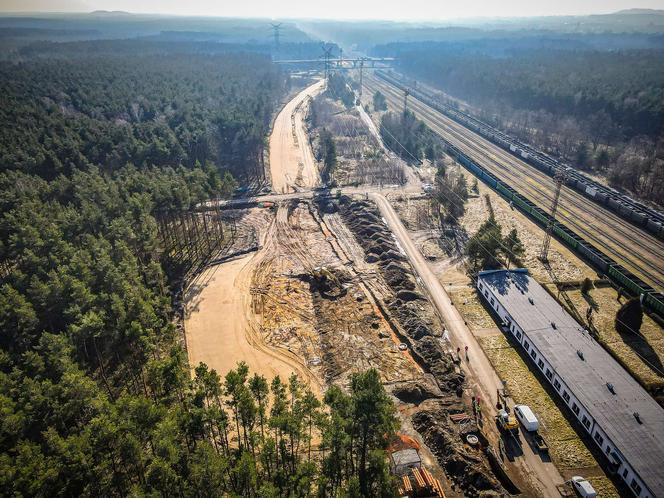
(526, 417)
(583, 487)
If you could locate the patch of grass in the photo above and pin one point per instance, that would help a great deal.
(567, 449)
(465, 299)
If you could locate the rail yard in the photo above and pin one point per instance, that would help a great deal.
(636, 250)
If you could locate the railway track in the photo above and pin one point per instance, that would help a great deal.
(635, 249)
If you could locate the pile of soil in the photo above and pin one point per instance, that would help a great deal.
(407, 305)
(465, 466)
(415, 317)
(415, 391)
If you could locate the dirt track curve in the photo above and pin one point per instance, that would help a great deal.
(220, 325)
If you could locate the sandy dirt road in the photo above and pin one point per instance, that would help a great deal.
(222, 329)
(481, 375)
(220, 326)
(292, 163)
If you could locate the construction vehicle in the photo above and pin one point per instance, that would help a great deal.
(326, 282)
(507, 422)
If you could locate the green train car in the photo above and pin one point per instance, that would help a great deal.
(621, 277)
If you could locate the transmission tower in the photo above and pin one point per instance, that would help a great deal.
(275, 29)
(361, 72)
(559, 178)
(406, 93)
(327, 55)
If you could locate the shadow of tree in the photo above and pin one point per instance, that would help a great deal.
(637, 343)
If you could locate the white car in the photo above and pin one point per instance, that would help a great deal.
(583, 487)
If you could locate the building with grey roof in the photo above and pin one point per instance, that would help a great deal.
(620, 416)
(402, 461)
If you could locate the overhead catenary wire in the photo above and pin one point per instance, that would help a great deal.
(645, 360)
(453, 129)
(535, 188)
(499, 241)
(345, 126)
(383, 128)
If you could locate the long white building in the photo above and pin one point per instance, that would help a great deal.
(620, 416)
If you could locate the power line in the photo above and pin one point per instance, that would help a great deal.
(275, 29)
(560, 179)
(327, 56)
(487, 251)
(561, 175)
(500, 242)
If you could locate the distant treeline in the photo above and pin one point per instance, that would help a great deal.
(62, 115)
(163, 45)
(625, 32)
(627, 85)
(124, 25)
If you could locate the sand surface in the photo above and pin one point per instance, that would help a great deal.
(292, 163)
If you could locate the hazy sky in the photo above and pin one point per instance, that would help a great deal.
(363, 9)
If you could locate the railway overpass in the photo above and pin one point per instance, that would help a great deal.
(344, 63)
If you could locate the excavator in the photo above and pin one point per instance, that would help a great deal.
(507, 422)
(326, 282)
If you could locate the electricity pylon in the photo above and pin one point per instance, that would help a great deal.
(560, 177)
(275, 28)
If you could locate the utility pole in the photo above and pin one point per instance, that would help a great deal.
(275, 29)
(361, 84)
(406, 93)
(560, 177)
(327, 55)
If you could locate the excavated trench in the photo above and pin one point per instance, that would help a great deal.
(467, 467)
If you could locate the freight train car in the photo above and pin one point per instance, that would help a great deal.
(623, 278)
(626, 207)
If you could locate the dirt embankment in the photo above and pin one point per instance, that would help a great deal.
(417, 321)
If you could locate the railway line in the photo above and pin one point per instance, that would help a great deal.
(633, 248)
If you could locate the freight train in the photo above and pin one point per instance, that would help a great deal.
(623, 278)
(626, 207)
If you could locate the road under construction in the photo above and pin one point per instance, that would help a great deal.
(214, 320)
(392, 314)
(638, 251)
